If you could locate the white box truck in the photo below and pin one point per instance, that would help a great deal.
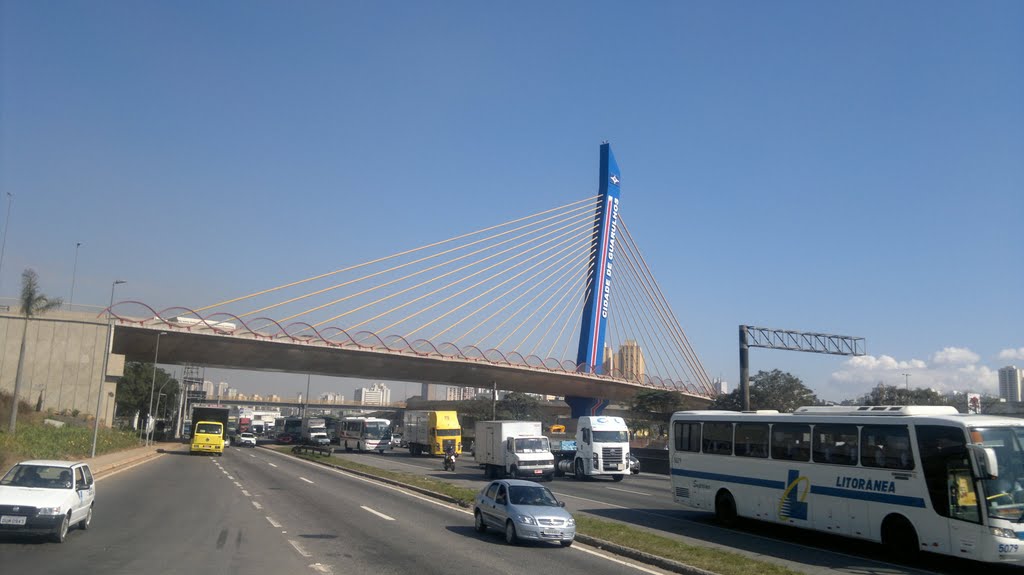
(601, 448)
(513, 449)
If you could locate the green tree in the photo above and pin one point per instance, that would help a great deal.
(33, 303)
(134, 386)
(883, 394)
(653, 408)
(519, 406)
(769, 390)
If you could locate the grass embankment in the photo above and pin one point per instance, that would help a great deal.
(36, 440)
(708, 558)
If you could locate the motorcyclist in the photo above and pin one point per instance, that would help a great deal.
(449, 456)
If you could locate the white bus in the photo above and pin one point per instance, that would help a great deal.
(364, 434)
(915, 478)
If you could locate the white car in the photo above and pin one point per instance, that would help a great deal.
(46, 497)
(247, 440)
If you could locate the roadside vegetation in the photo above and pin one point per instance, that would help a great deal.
(647, 541)
(36, 440)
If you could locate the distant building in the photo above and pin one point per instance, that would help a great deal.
(222, 389)
(377, 394)
(433, 392)
(631, 361)
(274, 397)
(721, 386)
(332, 397)
(608, 360)
(1009, 383)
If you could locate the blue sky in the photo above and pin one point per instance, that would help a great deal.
(850, 168)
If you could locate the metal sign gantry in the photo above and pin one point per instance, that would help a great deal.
(751, 336)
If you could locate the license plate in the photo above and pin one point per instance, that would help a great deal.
(620, 466)
(537, 471)
(12, 520)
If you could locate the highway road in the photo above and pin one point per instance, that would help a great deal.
(645, 501)
(254, 511)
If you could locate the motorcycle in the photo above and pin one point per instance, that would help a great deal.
(449, 461)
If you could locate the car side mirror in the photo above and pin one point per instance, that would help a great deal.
(561, 503)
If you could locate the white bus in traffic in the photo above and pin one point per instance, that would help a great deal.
(915, 478)
(364, 434)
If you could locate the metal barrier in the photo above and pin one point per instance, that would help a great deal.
(325, 451)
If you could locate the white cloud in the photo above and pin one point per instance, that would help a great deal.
(955, 355)
(1012, 354)
(951, 369)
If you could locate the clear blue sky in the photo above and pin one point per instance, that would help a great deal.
(846, 167)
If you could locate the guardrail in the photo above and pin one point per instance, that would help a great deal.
(326, 451)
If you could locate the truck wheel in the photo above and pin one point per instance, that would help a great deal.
(579, 470)
(513, 472)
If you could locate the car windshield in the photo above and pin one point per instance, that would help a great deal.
(1005, 494)
(41, 476)
(531, 495)
(247, 436)
(532, 445)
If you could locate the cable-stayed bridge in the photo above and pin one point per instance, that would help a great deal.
(558, 302)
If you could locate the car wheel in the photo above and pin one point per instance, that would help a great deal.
(510, 534)
(567, 543)
(85, 523)
(478, 522)
(61, 534)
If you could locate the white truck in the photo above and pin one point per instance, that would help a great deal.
(513, 449)
(314, 431)
(601, 448)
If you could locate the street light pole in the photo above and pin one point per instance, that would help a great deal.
(74, 272)
(906, 380)
(7, 224)
(106, 358)
(152, 388)
(158, 396)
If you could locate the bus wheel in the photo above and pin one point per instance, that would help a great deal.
(899, 535)
(725, 508)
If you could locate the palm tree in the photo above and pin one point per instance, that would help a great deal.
(33, 303)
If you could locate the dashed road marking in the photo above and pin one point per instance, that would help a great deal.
(378, 513)
(628, 491)
(257, 505)
(321, 568)
(306, 480)
(246, 493)
(273, 523)
(271, 464)
(299, 548)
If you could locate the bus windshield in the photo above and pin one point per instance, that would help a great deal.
(375, 429)
(1004, 495)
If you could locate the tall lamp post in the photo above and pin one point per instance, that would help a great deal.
(906, 380)
(103, 376)
(106, 405)
(158, 396)
(152, 388)
(74, 272)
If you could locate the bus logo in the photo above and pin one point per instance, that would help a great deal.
(793, 503)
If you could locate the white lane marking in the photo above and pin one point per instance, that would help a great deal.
(257, 505)
(378, 513)
(591, 500)
(273, 523)
(271, 464)
(615, 560)
(299, 548)
(238, 484)
(246, 493)
(229, 477)
(306, 480)
(628, 491)
(321, 568)
(251, 455)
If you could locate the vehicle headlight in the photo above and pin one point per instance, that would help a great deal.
(571, 522)
(49, 511)
(526, 519)
(1001, 532)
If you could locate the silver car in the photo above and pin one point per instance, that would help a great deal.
(524, 511)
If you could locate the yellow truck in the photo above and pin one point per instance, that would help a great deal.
(432, 432)
(209, 430)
